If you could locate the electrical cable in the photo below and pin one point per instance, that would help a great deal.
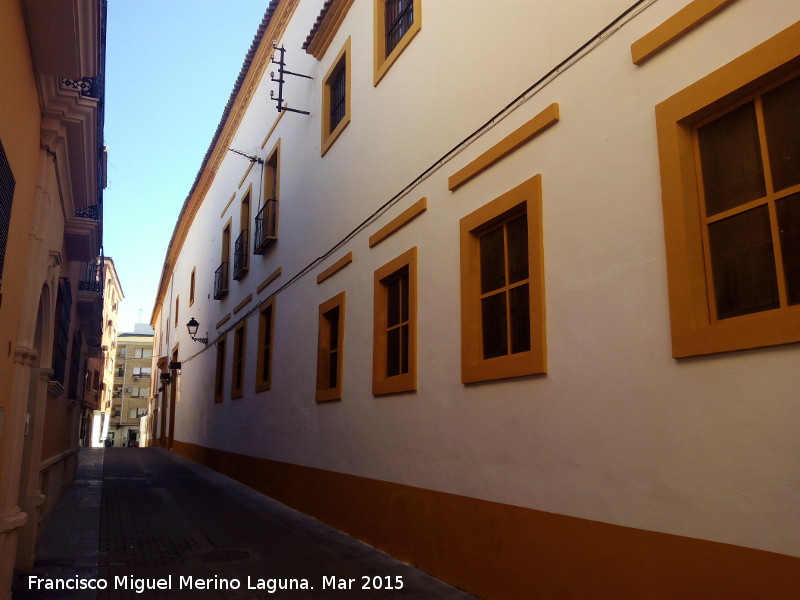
(595, 41)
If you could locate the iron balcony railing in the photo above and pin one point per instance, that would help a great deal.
(221, 281)
(266, 226)
(91, 277)
(240, 255)
(90, 212)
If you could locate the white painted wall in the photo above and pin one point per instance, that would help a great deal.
(617, 431)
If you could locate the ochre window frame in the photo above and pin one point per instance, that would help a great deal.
(238, 365)
(325, 392)
(192, 285)
(474, 367)
(694, 331)
(264, 344)
(330, 136)
(383, 63)
(272, 184)
(219, 371)
(404, 382)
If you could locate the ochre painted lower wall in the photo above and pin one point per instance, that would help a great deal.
(500, 551)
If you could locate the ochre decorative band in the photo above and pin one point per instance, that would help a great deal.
(497, 550)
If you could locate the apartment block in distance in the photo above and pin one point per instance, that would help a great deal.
(132, 385)
(510, 291)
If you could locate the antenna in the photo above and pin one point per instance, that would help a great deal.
(139, 318)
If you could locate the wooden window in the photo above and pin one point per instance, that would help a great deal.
(749, 171)
(177, 308)
(237, 375)
(74, 366)
(337, 94)
(61, 337)
(396, 23)
(730, 176)
(241, 247)
(266, 221)
(219, 377)
(221, 274)
(336, 98)
(266, 324)
(394, 360)
(330, 349)
(192, 281)
(502, 287)
(7, 184)
(142, 353)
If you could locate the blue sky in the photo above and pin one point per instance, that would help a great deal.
(170, 68)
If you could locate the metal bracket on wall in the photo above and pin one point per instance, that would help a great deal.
(280, 80)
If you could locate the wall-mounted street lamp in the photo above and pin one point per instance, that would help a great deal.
(166, 378)
(192, 326)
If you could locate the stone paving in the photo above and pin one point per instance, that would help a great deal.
(139, 518)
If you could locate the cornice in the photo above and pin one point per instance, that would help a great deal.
(69, 130)
(327, 24)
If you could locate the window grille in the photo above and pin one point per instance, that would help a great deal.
(240, 255)
(92, 277)
(399, 18)
(64, 303)
(7, 184)
(338, 96)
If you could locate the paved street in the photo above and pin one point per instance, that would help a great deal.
(149, 524)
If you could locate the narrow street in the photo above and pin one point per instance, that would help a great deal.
(145, 523)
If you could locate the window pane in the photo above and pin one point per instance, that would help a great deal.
(789, 226)
(399, 17)
(333, 321)
(239, 358)
(266, 315)
(731, 160)
(520, 319)
(518, 249)
(393, 352)
(404, 348)
(493, 274)
(782, 122)
(743, 263)
(337, 98)
(493, 321)
(333, 369)
(393, 302)
(404, 297)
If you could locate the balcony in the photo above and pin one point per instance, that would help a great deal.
(240, 256)
(91, 277)
(266, 226)
(221, 281)
(90, 304)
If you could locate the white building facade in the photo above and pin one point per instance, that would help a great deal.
(517, 301)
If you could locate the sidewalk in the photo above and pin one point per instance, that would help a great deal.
(139, 518)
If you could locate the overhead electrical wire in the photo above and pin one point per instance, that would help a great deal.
(595, 41)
